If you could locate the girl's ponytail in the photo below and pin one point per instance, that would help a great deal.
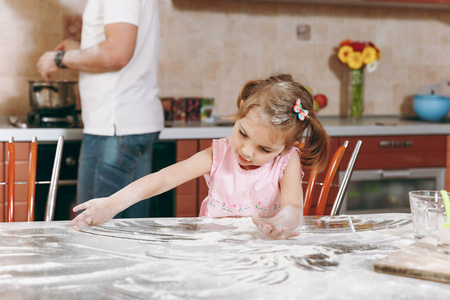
(316, 149)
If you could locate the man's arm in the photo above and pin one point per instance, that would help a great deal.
(111, 55)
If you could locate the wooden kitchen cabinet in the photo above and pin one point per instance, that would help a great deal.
(190, 194)
(20, 207)
(2, 179)
(187, 193)
(398, 152)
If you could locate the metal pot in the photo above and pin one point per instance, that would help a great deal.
(50, 95)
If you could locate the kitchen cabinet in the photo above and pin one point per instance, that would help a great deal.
(187, 193)
(2, 179)
(190, 195)
(398, 152)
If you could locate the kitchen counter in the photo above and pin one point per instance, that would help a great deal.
(200, 258)
(335, 126)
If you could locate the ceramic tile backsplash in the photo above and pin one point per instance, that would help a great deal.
(210, 48)
(238, 41)
(29, 28)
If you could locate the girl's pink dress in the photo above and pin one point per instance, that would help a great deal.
(234, 191)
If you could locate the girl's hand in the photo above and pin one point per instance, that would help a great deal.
(271, 230)
(96, 211)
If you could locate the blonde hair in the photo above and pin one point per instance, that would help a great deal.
(275, 98)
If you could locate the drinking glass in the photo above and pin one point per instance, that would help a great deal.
(425, 206)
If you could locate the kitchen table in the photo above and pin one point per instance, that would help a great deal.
(200, 258)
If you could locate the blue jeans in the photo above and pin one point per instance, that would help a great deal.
(109, 163)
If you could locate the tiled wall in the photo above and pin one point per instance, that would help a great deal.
(211, 47)
(27, 29)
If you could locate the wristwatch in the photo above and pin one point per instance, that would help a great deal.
(58, 59)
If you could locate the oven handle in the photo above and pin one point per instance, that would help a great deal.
(412, 173)
(396, 144)
(395, 174)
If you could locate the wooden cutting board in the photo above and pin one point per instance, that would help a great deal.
(419, 260)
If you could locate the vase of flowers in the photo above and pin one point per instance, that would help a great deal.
(357, 56)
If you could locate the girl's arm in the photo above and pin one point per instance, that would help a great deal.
(291, 213)
(101, 210)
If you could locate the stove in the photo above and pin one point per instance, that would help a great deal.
(49, 118)
(38, 120)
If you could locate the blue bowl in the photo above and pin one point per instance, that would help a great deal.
(432, 108)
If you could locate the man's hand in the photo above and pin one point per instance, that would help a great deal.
(46, 65)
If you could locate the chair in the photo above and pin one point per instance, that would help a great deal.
(346, 180)
(10, 183)
(328, 182)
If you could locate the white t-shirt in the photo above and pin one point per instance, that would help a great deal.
(122, 102)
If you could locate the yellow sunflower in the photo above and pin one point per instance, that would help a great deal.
(355, 60)
(344, 53)
(369, 55)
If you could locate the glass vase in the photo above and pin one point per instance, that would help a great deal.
(356, 93)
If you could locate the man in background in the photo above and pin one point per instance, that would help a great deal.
(121, 113)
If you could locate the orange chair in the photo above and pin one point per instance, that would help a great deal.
(346, 180)
(10, 183)
(328, 183)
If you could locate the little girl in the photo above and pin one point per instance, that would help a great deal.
(256, 172)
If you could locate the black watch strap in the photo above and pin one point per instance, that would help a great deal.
(58, 59)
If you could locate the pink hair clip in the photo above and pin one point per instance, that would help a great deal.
(298, 109)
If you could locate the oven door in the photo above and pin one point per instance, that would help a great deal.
(67, 184)
(386, 191)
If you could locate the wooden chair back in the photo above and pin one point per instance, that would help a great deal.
(330, 174)
(328, 182)
(31, 191)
